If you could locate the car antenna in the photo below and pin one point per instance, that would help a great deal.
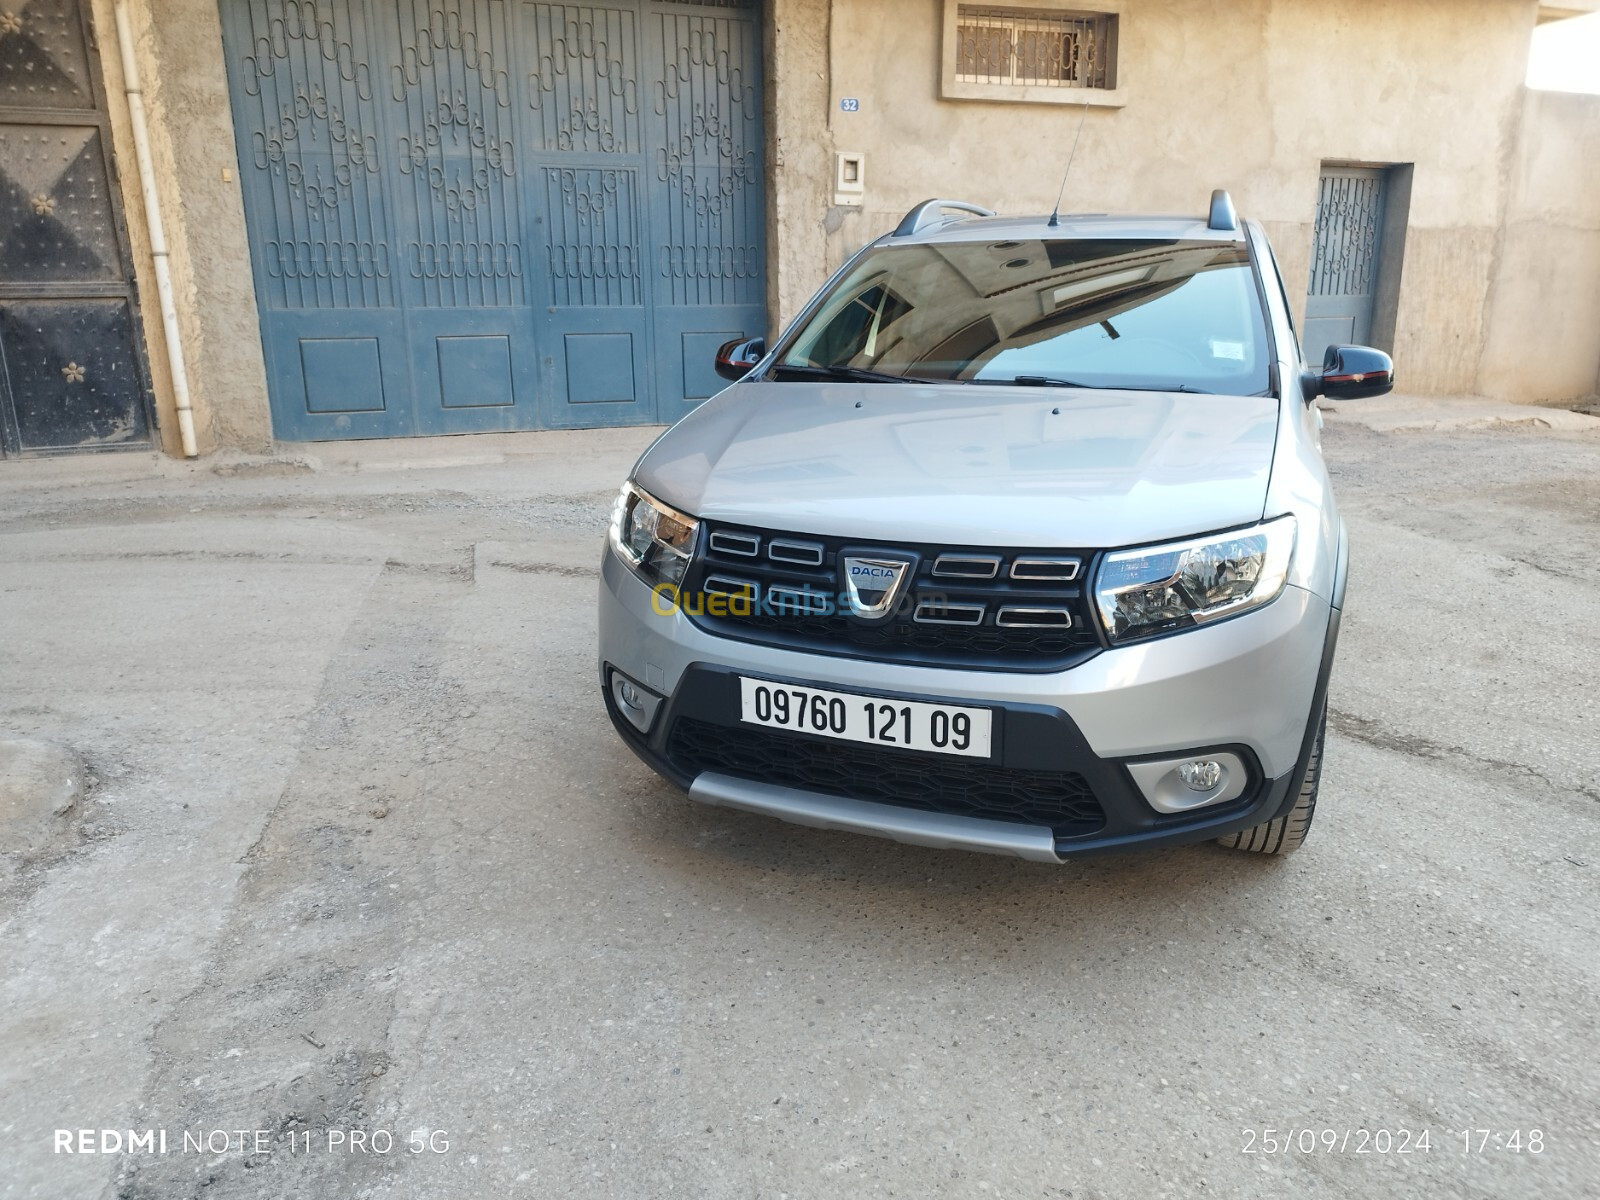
(1055, 213)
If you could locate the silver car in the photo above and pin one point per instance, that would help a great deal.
(1018, 540)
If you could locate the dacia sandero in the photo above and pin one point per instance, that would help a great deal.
(1018, 540)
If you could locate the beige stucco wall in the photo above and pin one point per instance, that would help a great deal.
(1251, 95)
(1543, 329)
(799, 152)
(179, 46)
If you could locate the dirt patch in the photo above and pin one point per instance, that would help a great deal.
(41, 787)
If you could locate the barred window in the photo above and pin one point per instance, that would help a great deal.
(1043, 52)
(1008, 46)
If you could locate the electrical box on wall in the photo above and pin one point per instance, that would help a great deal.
(850, 178)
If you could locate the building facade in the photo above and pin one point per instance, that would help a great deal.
(394, 217)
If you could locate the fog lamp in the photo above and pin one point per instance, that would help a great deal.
(634, 701)
(1176, 785)
(1201, 775)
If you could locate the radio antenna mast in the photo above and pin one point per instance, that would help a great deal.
(1055, 213)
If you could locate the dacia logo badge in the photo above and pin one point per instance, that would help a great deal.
(873, 585)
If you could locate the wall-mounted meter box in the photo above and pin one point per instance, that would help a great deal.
(850, 178)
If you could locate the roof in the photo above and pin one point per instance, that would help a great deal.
(1072, 226)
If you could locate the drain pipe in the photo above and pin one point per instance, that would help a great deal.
(158, 236)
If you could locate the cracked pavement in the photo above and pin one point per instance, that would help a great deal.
(361, 854)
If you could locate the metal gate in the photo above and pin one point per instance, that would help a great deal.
(475, 215)
(1344, 259)
(71, 372)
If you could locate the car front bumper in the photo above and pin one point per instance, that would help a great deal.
(1247, 686)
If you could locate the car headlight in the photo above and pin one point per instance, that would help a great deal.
(1158, 589)
(653, 538)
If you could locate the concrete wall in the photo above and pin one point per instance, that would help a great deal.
(1251, 95)
(179, 46)
(1543, 329)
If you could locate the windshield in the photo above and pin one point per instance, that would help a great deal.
(1146, 315)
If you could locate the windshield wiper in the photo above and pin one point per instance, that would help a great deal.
(855, 374)
(1042, 381)
(1047, 381)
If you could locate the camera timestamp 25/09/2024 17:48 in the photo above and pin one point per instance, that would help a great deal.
(1398, 1141)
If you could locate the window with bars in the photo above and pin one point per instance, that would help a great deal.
(1047, 53)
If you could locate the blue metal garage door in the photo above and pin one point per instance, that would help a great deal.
(476, 215)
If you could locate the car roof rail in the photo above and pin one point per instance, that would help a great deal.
(927, 213)
(1223, 214)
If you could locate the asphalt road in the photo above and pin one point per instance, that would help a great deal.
(362, 856)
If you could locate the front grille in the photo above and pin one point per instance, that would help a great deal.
(968, 607)
(933, 783)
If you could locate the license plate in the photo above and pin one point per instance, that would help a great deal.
(851, 717)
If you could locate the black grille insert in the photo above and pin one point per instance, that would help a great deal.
(940, 783)
(951, 615)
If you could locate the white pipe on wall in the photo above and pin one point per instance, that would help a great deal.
(158, 236)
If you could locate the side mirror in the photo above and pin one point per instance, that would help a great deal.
(736, 358)
(1350, 373)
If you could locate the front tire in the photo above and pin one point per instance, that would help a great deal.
(1287, 833)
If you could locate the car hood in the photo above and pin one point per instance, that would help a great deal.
(970, 465)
